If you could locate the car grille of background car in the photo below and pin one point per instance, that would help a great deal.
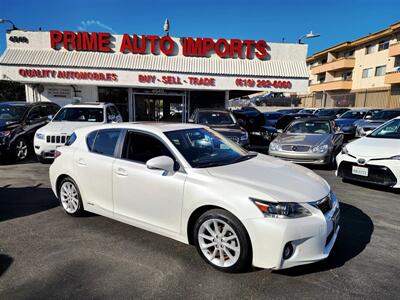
(56, 139)
(296, 148)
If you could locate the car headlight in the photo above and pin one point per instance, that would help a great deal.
(39, 136)
(244, 137)
(397, 157)
(344, 150)
(274, 146)
(283, 210)
(5, 133)
(320, 149)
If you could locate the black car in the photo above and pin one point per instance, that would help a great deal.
(222, 121)
(331, 113)
(255, 123)
(18, 124)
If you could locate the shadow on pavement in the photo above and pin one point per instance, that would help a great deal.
(5, 263)
(23, 201)
(356, 229)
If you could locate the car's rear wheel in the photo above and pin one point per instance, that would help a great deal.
(222, 241)
(21, 149)
(70, 197)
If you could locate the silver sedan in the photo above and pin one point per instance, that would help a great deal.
(308, 141)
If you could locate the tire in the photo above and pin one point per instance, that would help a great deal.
(20, 149)
(236, 252)
(70, 197)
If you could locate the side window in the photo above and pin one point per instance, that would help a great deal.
(34, 114)
(111, 114)
(53, 109)
(141, 147)
(90, 139)
(106, 141)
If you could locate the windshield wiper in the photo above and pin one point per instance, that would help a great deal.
(210, 165)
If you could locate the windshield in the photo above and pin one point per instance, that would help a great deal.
(391, 130)
(385, 115)
(204, 148)
(307, 127)
(216, 118)
(79, 114)
(273, 116)
(353, 115)
(12, 113)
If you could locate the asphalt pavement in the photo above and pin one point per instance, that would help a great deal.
(44, 253)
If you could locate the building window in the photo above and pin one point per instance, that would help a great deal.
(347, 75)
(321, 78)
(380, 70)
(369, 49)
(349, 53)
(367, 73)
(383, 45)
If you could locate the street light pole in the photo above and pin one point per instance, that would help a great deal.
(2, 21)
(309, 35)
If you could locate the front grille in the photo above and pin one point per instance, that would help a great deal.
(376, 174)
(234, 138)
(296, 148)
(56, 139)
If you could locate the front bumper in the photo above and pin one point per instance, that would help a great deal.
(45, 150)
(312, 238)
(383, 172)
(302, 157)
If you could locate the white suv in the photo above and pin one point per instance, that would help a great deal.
(69, 118)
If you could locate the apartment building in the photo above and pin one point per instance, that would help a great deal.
(360, 73)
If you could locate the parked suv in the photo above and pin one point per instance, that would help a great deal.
(69, 118)
(222, 121)
(18, 124)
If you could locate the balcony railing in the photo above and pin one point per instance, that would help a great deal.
(394, 49)
(331, 85)
(337, 64)
(392, 77)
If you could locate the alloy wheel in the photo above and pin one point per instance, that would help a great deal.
(21, 149)
(69, 197)
(219, 243)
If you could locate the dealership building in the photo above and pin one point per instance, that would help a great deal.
(149, 77)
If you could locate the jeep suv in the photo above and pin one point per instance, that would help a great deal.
(69, 118)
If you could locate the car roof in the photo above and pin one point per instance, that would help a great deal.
(312, 119)
(213, 109)
(21, 103)
(147, 126)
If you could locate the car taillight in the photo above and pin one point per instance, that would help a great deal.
(56, 154)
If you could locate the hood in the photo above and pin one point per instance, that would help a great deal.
(368, 147)
(371, 123)
(64, 127)
(302, 139)
(342, 122)
(274, 179)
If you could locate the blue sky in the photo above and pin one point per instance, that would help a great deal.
(271, 20)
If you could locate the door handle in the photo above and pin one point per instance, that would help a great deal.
(121, 172)
(81, 162)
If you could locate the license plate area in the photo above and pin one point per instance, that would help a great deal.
(361, 171)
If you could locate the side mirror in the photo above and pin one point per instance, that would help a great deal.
(190, 120)
(279, 131)
(50, 117)
(368, 117)
(163, 163)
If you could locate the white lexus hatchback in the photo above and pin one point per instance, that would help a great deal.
(189, 183)
(374, 158)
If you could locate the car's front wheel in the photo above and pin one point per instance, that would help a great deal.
(222, 241)
(70, 197)
(21, 149)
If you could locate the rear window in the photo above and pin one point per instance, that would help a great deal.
(105, 141)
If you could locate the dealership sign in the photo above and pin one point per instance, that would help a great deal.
(154, 44)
